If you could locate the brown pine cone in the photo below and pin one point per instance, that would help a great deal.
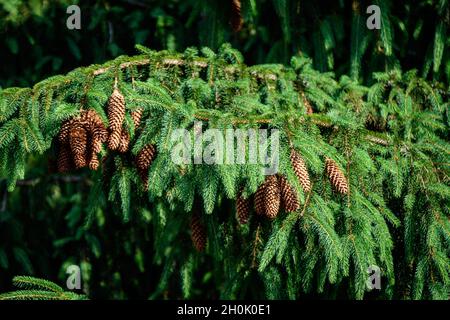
(242, 209)
(143, 160)
(136, 115)
(145, 157)
(78, 144)
(260, 207)
(337, 178)
(94, 124)
(64, 158)
(97, 140)
(288, 195)
(90, 119)
(124, 142)
(94, 162)
(300, 169)
(63, 135)
(116, 115)
(114, 140)
(98, 134)
(198, 233)
(116, 110)
(272, 197)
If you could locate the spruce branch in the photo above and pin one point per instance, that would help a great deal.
(39, 289)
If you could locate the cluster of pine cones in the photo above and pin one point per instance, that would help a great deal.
(276, 192)
(81, 138)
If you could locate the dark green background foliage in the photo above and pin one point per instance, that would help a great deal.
(51, 221)
(414, 34)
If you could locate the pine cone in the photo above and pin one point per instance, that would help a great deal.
(136, 115)
(272, 197)
(94, 162)
(90, 119)
(116, 115)
(116, 110)
(145, 157)
(94, 125)
(299, 166)
(288, 195)
(198, 233)
(337, 178)
(236, 17)
(114, 140)
(63, 135)
(97, 135)
(260, 207)
(242, 209)
(97, 140)
(124, 142)
(143, 161)
(78, 144)
(64, 159)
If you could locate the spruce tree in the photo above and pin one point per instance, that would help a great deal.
(363, 177)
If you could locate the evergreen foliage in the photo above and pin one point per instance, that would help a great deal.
(388, 141)
(344, 96)
(414, 34)
(31, 288)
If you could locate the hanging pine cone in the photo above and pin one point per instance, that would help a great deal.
(136, 115)
(94, 162)
(337, 178)
(63, 135)
(78, 144)
(272, 197)
(260, 208)
(116, 110)
(300, 169)
(98, 138)
(198, 233)
(236, 17)
(116, 115)
(145, 157)
(124, 142)
(288, 195)
(64, 158)
(90, 120)
(143, 161)
(242, 208)
(114, 140)
(94, 125)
